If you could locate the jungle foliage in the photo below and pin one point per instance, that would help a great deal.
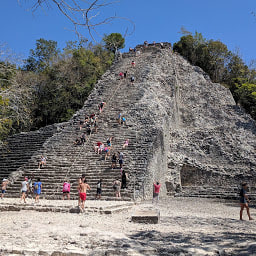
(51, 85)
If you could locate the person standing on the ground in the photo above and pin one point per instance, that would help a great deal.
(80, 181)
(5, 182)
(37, 189)
(156, 192)
(66, 190)
(83, 187)
(117, 188)
(244, 200)
(99, 189)
(121, 159)
(30, 185)
(24, 189)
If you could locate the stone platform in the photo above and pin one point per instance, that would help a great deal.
(146, 216)
(65, 206)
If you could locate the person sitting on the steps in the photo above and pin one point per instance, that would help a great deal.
(83, 138)
(126, 143)
(133, 63)
(77, 142)
(42, 162)
(132, 79)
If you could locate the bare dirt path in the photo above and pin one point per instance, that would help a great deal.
(188, 226)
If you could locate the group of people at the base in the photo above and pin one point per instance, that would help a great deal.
(28, 187)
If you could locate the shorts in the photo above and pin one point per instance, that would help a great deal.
(99, 191)
(114, 161)
(3, 191)
(82, 196)
(121, 161)
(65, 192)
(243, 200)
(155, 195)
(37, 192)
(24, 191)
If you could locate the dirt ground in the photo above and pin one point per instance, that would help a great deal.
(188, 226)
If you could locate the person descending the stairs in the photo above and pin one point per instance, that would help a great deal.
(37, 190)
(24, 189)
(99, 189)
(101, 106)
(121, 159)
(42, 162)
(83, 187)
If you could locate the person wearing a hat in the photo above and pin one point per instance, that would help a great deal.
(24, 189)
(4, 186)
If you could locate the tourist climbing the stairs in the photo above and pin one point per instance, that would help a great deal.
(37, 190)
(133, 63)
(107, 152)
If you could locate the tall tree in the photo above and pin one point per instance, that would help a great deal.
(114, 42)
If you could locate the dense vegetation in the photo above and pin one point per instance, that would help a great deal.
(223, 67)
(52, 84)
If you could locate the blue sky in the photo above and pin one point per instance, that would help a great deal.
(230, 21)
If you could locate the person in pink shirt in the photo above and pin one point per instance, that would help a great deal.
(156, 192)
(66, 190)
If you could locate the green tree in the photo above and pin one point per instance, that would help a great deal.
(114, 42)
(44, 55)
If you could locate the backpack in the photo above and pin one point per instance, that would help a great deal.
(241, 193)
(66, 187)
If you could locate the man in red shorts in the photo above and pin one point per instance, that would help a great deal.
(82, 193)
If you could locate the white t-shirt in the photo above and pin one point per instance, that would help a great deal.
(24, 186)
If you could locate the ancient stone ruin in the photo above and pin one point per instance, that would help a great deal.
(184, 130)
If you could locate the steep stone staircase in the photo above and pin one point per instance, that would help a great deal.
(66, 161)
